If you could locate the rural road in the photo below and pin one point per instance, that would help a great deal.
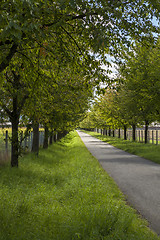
(138, 179)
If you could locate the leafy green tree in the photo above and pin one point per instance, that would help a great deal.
(84, 26)
(154, 70)
(138, 86)
(62, 100)
(79, 32)
(111, 112)
(14, 92)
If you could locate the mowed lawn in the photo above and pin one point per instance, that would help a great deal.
(64, 194)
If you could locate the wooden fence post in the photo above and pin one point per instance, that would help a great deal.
(152, 137)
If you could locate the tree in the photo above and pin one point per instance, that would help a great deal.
(96, 27)
(18, 83)
(62, 99)
(154, 70)
(14, 92)
(138, 86)
(79, 32)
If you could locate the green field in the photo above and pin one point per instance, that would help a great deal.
(64, 194)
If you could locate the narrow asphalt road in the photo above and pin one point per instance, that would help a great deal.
(138, 178)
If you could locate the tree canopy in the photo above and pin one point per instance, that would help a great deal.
(72, 27)
(134, 99)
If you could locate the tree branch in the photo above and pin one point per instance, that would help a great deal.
(24, 55)
(72, 38)
(9, 113)
(22, 103)
(68, 18)
(7, 60)
(6, 42)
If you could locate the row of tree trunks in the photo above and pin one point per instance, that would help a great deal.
(105, 132)
(35, 144)
(47, 134)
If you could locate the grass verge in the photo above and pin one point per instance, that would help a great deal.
(64, 194)
(147, 151)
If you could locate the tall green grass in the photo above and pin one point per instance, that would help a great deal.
(148, 151)
(64, 194)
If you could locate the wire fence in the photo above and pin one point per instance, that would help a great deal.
(26, 143)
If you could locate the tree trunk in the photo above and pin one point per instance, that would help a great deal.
(59, 135)
(46, 133)
(125, 132)
(109, 132)
(134, 132)
(35, 144)
(15, 143)
(113, 133)
(146, 131)
(14, 114)
(51, 138)
(55, 137)
(119, 133)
